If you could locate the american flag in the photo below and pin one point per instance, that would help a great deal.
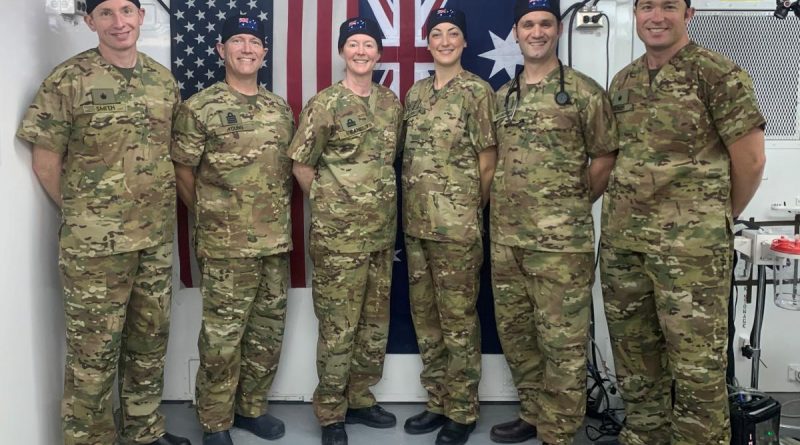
(303, 59)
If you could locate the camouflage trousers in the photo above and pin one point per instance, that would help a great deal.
(351, 301)
(443, 289)
(117, 318)
(667, 317)
(244, 307)
(542, 307)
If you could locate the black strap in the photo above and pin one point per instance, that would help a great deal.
(164, 5)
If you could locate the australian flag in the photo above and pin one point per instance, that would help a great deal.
(491, 50)
(492, 54)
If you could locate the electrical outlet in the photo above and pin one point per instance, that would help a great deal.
(588, 17)
(67, 7)
(793, 373)
(744, 347)
(743, 341)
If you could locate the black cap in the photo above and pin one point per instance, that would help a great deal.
(91, 4)
(242, 24)
(523, 7)
(360, 25)
(447, 15)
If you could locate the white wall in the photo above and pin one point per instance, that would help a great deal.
(31, 320)
(31, 305)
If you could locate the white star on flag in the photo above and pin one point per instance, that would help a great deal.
(505, 55)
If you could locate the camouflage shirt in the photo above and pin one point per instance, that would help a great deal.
(353, 145)
(540, 194)
(444, 132)
(669, 192)
(244, 177)
(117, 183)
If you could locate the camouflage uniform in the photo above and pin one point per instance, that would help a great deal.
(118, 191)
(352, 142)
(442, 220)
(542, 242)
(667, 242)
(243, 187)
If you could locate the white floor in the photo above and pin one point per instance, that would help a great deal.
(302, 427)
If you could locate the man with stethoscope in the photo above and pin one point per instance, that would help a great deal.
(557, 143)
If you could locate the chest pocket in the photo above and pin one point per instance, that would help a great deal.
(620, 102)
(682, 133)
(159, 116)
(110, 132)
(348, 135)
(436, 141)
(234, 146)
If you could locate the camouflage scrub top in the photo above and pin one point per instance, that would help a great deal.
(669, 192)
(540, 193)
(117, 182)
(244, 177)
(444, 132)
(353, 144)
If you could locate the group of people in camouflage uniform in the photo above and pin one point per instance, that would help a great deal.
(678, 142)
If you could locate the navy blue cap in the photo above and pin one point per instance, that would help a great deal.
(447, 15)
(360, 25)
(242, 24)
(523, 7)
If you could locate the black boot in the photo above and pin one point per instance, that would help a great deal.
(454, 433)
(169, 439)
(218, 438)
(515, 431)
(611, 441)
(424, 422)
(374, 416)
(265, 426)
(334, 434)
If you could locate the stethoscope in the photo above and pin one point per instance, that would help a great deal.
(561, 97)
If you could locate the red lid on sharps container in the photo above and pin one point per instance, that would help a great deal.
(786, 245)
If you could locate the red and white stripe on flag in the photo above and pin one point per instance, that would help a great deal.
(305, 61)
